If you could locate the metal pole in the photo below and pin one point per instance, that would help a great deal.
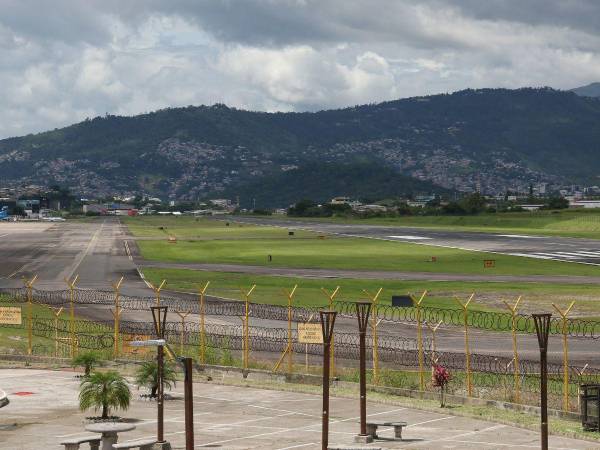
(290, 348)
(542, 328)
(363, 310)
(202, 326)
(374, 325)
(417, 304)
(159, 316)
(246, 341)
(160, 403)
(516, 368)
(465, 308)
(117, 316)
(327, 323)
(330, 298)
(71, 285)
(189, 405)
(29, 286)
(182, 335)
(563, 314)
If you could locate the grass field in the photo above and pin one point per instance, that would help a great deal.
(488, 296)
(574, 223)
(208, 241)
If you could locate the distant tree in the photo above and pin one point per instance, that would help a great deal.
(300, 208)
(473, 204)
(557, 202)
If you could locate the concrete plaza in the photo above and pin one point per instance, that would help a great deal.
(43, 411)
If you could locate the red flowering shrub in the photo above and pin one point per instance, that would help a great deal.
(441, 376)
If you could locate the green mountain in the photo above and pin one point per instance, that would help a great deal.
(492, 140)
(589, 90)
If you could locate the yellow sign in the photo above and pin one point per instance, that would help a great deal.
(310, 333)
(10, 315)
(127, 348)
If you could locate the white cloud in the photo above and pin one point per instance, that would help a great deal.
(66, 60)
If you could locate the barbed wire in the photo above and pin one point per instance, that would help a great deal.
(214, 306)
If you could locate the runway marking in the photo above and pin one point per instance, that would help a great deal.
(82, 255)
(2, 235)
(128, 251)
(411, 238)
(555, 255)
(519, 236)
(530, 255)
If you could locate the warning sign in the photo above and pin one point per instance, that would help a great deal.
(127, 348)
(10, 315)
(310, 333)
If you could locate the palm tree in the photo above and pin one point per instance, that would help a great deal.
(87, 360)
(147, 375)
(104, 390)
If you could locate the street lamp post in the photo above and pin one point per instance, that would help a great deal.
(327, 323)
(159, 316)
(363, 309)
(542, 328)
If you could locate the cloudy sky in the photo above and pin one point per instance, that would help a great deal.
(64, 60)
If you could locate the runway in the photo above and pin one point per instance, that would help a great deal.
(96, 251)
(577, 250)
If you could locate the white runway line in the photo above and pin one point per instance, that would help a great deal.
(555, 255)
(411, 238)
(519, 236)
(530, 255)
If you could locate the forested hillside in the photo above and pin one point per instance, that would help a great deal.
(490, 139)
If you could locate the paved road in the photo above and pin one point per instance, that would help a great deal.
(577, 250)
(95, 250)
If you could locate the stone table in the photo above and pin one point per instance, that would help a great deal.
(110, 432)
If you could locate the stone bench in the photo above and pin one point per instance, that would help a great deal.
(74, 443)
(372, 428)
(142, 444)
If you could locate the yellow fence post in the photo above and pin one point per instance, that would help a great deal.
(117, 316)
(56, 313)
(330, 298)
(565, 330)
(29, 286)
(202, 293)
(433, 330)
(246, 322)
(182, 316)
(374, 324)
(71, 284)
(517, 382)
(289, 349)
(157, 290)
(417, 304)
(465, 307)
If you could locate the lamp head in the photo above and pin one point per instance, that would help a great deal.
(327, 323)
(159, 316)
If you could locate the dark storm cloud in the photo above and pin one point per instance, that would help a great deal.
(64, 60)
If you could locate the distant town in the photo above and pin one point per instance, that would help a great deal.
(36, 202)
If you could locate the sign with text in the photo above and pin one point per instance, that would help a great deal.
(310, 333)
(10, 315)
(127, 347)
(488, 263)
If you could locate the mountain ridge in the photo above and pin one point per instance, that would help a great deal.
(488, 139)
